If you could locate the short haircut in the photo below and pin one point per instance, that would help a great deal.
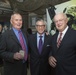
(39, 19)
(14, 14)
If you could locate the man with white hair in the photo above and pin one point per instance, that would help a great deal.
(13, 48)
(63, 55)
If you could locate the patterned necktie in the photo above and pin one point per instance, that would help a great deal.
(22, 44)
(40, 44)
(59, 40)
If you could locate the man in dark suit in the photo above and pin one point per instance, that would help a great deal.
(63, 55)
(10, 46)
(39, 59)
(1, 60)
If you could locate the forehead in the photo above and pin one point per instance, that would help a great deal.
(59, 16)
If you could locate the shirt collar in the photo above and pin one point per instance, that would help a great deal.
(65, 30)
(40, 35)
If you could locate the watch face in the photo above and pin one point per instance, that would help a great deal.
(20, 0)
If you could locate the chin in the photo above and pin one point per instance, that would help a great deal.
(41, 33)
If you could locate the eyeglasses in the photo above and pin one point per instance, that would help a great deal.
(40, 25)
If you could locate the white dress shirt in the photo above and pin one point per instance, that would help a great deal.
(63, 33)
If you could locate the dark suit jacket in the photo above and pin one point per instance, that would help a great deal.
(65, 54)
(1, 60)
(39, 62)
(8, 46)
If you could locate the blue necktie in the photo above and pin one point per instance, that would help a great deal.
(40, 44)
(22, 44)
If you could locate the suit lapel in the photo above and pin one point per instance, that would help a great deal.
(55, 41)
(66, 36)
(35, 42)
(13, 36)
(24, 34)
(45, 43)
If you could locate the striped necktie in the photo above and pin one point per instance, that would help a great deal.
(59, 40)
(22, 44)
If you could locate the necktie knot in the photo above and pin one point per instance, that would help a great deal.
(19, 31)
(40, 37)
(60, 34)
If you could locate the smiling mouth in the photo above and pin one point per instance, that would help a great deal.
(18, 25)
(59, 25)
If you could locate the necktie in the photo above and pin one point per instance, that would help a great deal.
(59, 40)
(40, 44)
(22, 44)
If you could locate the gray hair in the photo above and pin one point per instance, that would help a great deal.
(41, 20)
(15, 13)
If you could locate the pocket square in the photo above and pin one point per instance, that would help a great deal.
(47, 45)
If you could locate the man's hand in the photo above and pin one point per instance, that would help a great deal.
(52, 61)
(18, 56)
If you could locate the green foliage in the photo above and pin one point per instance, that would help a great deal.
(72, 10)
